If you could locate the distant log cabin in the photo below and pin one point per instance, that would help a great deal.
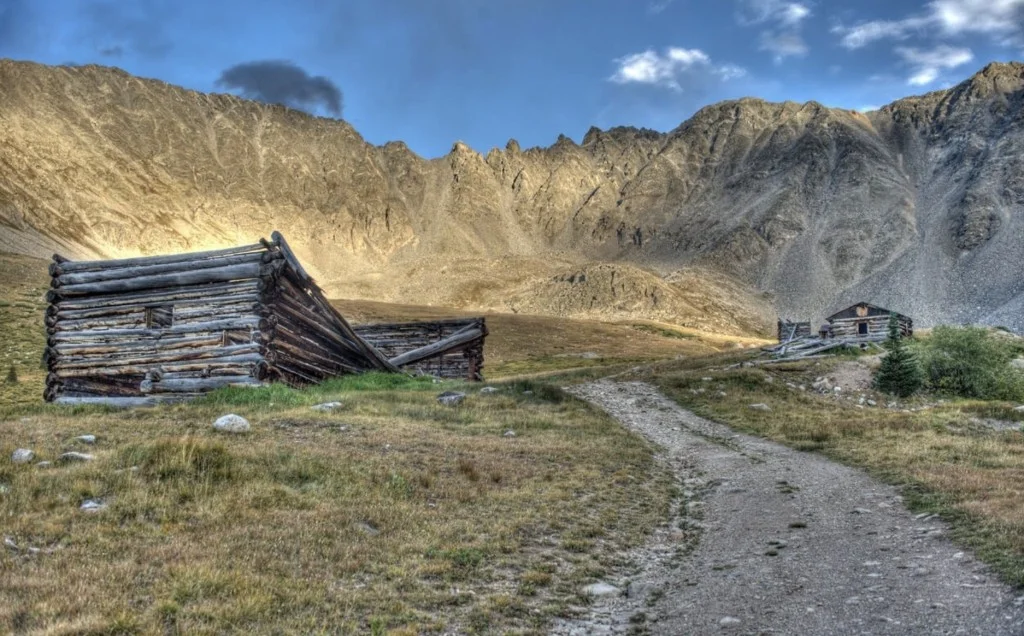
(789, 330)
(865, 320)
(147, 330)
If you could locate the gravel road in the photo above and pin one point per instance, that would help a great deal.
(768, 540)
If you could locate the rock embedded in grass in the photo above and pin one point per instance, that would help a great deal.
(510, 433)
(93, 505)
(76, 457)
(22, 456)
(232, 423)
(451, 398)
(760, 407)
(86, 439)
(327, 407)
(600, 589)
(489, 389)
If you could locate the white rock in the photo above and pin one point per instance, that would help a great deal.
(706, 379)
(93, 505)
(76, 457)
(729, 621)
(87, 439)
(232, 423)
(872, 403)
(9, 542)
(837, 389)
(22, 456)
(44, 464)
(451, 398)
(489, 389)
(327, 407)
(760, 407)
(1019, 408)
(510, 434)
(600, 589)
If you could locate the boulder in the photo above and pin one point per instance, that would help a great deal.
(232, 423)
(22, 456)
(451, 398)
(760, 407)
(86, 439)
(327, 407)
(76, 457)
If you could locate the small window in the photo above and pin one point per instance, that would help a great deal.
(159, 317)
(862, 328)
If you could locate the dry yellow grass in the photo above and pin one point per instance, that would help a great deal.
(393, 513)
(948, 462)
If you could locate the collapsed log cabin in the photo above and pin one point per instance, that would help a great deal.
(142, 331)
(444, 348)
(866, 321)
(789, 330)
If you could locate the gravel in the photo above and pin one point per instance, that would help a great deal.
(848, 557)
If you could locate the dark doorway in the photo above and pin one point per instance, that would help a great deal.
(862, 329)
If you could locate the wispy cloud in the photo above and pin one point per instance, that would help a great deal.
(657, 6)
(783, 21)
(927, 65)
(946, 17)
(668, 69)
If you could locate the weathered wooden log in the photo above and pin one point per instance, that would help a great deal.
(337, 365)
(81, 266)
(214, 299)
(200, 365)
(115, 361)
(198, 277)
(151, 297)
(300, 322)
(196, 385)
(289, 256)
(116, 273)
(135, 346)
(125, 402)
(249, 322)
(206, 373)
(459, 339)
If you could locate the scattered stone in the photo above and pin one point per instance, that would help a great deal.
(9, 542)
(367, 528)
(837, 389)
(729, 621)
(1020, 408)
(527, 392)
(760, 407)
(861, 511)
(86, 439)
(232, 423)
(22, 456)
(509, 434)
(872, 403)
(44, 464)
(706, 379)
(76, 457)
(93, 505)
(451, 398)
(772, 552)
(722, 394)
(600, 589)
(489, 389)
(327, 407)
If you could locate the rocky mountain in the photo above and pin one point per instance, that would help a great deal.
(747, 209)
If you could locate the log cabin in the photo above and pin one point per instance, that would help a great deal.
(867, 321)
(789, 330)
(148, 330)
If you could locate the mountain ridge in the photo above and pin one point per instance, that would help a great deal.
(783, 207)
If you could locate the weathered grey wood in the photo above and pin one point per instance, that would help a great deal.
(161, 296)
(200, 365)
(115, 361)
(249, 322)
(196, 385)
(289, 256)
(203, 276)
(429, 351)
(151, 270)
(137, 345)
(81, 266)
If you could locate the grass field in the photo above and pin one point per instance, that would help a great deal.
(943, 454)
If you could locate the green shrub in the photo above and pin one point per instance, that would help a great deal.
(12, 375)
(900, 372)
(969, 362)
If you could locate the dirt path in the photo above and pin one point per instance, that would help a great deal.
(768, 540)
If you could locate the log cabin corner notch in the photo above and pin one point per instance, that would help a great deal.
(867, 321)
(146, 330)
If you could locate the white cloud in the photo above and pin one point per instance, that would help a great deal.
(948, 17)
(656, 7)
(665, 70)
(927, 65)
(869, 108)
(784, 19)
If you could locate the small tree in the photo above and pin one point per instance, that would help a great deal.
(12, 375)
(900, 373)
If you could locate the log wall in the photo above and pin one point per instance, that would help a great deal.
(788, 330)
(464, 360)
(877, 327)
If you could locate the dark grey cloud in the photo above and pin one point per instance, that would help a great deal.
(282, 82)
(114, 27)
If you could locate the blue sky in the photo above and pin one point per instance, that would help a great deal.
(430, 72)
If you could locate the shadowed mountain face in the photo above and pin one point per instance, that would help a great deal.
(746, 209)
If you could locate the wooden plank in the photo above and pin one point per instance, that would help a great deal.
(250, 322)
(161, 296)
(198, 385)
(204, 276)
(106, 274)
(81, 266)
(437, 348)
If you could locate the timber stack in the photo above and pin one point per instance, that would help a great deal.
(444, 348)
(142, 331)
